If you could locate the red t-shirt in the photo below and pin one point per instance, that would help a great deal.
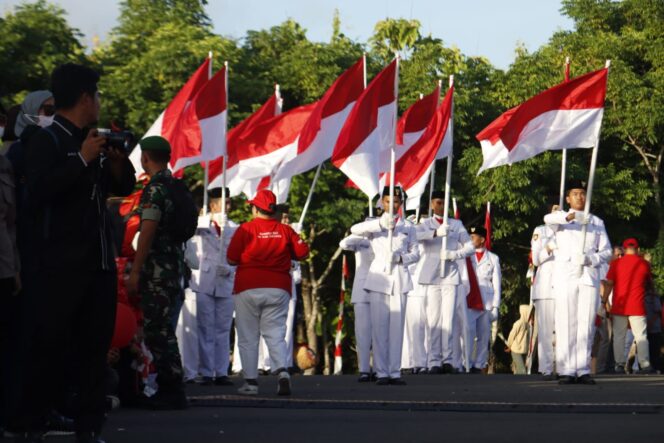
(263, 250)
(629, 275)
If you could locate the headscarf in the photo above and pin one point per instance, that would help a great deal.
(30, 106)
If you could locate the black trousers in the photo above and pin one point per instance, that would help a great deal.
(8, 314)
(72, 314)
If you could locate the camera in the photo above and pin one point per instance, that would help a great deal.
(123, 140)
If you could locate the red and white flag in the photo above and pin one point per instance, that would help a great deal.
(413, 169)
(201, 135)
(414, 122)
(320, 132)
(568, 115)
(168, 122)
(362, 150)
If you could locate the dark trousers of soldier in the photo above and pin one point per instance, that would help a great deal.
(8, 346)
(71, 310)
(159, 301)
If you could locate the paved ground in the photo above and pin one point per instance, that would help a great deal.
(459, 408)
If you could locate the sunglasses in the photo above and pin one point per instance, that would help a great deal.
(47, 110)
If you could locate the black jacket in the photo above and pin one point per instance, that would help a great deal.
(71, 226)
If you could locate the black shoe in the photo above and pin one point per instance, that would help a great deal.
(59, 425)
(435, 370)
(548, 377)
(383, 381)
(566, 380)
(585, 379)
(374, 376)
(448, 369)
(364, 377)
(88, 437)
(223, 381)
(398, 381)
(207, 381)
(475, 371)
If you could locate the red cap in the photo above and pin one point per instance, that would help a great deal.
(265, 200)
(630, 243)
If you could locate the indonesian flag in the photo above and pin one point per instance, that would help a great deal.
(168, 122)
(279, 187)
(568, 115)
(414, 122)
(270, 109)
(201, 135)
(322, 129)
(413, 169)
(362, 150)
(487, 226)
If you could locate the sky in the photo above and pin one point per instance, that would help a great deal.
(489, 28)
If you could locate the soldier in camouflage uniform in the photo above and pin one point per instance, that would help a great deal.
(157, 275)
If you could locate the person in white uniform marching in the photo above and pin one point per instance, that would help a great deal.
(360, 301)
(486, 265)
(441, 292)
(213, 284)
(388, 281)
(576, 283)
(542, 246)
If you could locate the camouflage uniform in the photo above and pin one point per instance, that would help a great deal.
(160, 285)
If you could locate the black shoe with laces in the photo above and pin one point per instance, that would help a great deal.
(223, 381)
(448, 369)
(383, 381)
(398, 381)
(365, 377)
(566, 380)
(585, 379)
(435, 370)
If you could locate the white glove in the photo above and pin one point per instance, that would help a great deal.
(223, 271)
(386, 222)
(441, 231)
(494, 314)
(297, 227)
(580, 217)
(551, 246)
(450, 255)
(581, 260)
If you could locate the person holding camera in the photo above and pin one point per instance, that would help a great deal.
(70, 171)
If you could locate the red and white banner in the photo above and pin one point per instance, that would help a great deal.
(414, 121)
(566, 116)
(320, 132)
(362, 150)
(168, 122)
(413, 169)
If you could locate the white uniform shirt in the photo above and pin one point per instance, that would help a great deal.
(363, 258)
(542, 236)
(381, 278)
(489, 277)
(568, 237)
(206, 244)
(458, 241)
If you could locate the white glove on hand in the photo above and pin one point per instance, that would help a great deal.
(494, 314)
(581, 260)
(580, 217)
(223, 271)
(441, 231)
(450, 255)
(297, 227)
(386, 222)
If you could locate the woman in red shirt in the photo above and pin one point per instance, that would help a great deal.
(262, 250)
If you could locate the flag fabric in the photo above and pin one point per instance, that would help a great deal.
(320, 132)
(413, 169)
(168, 122)
(414, 121)
(362, 150)
(567, 116)
(202, 132)
(338, 361)
(487, 226)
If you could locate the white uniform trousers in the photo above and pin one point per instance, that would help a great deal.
(290, 324)
(544, 314)
(440, 307)
(387, 322)
(639, 326)
(186, 333)
(261, 311)
(363, 335)
(414, 354)
(479, 333)
(215, 316)
(575, 311)
(460, 352)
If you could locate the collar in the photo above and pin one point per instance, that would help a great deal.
(480, 250)
(438, 218)
(69, 127)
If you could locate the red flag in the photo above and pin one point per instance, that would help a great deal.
(487, 226)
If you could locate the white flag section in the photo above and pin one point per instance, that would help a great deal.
(566, 116)
(168, 124)
(362, 150)
(320, 132)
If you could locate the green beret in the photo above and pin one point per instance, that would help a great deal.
(155, 143)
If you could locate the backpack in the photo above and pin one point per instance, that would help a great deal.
(185, 218)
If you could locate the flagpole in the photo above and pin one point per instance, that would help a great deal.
(311, 193)
(591, 181)
(563, 168)
(223, 168)
(364, 74)
(390, 232)
(446, 209)
(432, 177)
(206, 171)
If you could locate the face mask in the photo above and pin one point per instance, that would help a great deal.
(42, 120)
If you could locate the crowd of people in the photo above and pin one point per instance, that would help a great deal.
(100, 302)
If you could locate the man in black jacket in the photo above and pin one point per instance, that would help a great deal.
(70, 173)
